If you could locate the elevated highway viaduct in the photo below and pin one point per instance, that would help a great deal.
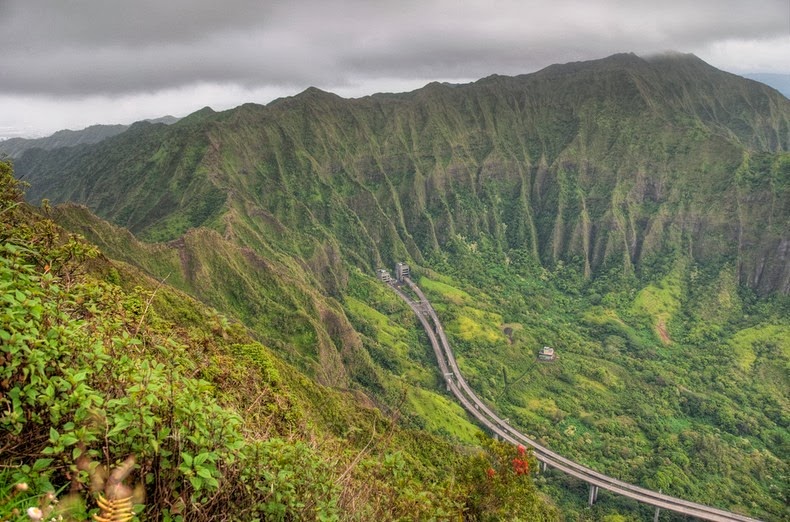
(458, 386)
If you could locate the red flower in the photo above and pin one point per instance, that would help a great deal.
(490, 472)
(521, 449)
(520, 467)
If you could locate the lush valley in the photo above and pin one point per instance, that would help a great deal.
(631, 213)
(694, 406)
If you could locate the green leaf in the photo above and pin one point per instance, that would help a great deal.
(120, 425)
(196, 482)
(41, 464)
(201, 458)
(53, 435)
(68, 440)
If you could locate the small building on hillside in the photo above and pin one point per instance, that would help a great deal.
(401, 271)
(384, 275)
(546, 354)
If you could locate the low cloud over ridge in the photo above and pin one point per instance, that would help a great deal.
(70, 52)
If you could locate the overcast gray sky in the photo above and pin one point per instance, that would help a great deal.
(72, 63)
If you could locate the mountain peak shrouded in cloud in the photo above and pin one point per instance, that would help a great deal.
(68, 64)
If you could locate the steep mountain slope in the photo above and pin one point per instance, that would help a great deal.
(14, 147)
(274, 295)
(677, 385)
(606, 163)
(123, 398)
(622, 211)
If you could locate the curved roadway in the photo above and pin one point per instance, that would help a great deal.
(478, 409)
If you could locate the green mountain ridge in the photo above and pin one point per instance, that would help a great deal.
(632, 213)
(600, 163)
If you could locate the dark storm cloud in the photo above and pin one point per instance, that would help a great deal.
(78, 48)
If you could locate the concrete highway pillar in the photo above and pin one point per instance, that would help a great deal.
(593, 495)
(655, 517)
(543, 467)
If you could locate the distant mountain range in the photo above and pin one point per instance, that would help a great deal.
(780, 82)
(14, 147)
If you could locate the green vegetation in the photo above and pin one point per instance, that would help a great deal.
(630, 213)
(621, 162)
(703, 413)
(747, 343)
(118, 392)
(661, 302)
(686, 417)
